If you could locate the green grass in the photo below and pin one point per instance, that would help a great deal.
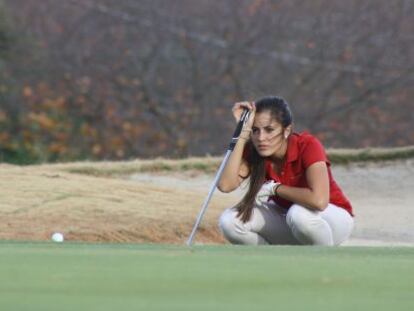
(45, 276)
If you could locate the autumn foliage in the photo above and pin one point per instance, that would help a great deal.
(100, 79)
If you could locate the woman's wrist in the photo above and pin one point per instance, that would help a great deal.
(245, 133)
(275, 188)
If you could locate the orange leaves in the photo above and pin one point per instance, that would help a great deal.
(3, 116)
(43, 120)
(57, 147)
(127, 126)
(118, 144)
(27, 91)
(58, 103)
(46, 126)
(138, 129)
(4, 138)
(87, 130)
(59, 123)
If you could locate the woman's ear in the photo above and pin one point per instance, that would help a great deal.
(287, 131)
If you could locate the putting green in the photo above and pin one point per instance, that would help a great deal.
(69, 276)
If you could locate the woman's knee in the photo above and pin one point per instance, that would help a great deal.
(228, 221)
(300, 217)
(340, 221)
(238, 232)
(308, 226)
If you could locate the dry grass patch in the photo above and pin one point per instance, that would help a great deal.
(39, 200)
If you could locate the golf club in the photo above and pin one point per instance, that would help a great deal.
(243, 119)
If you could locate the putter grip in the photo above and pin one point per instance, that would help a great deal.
(236, 134)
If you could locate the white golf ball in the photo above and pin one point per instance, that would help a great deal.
(57, 237)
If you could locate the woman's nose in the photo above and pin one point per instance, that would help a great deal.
(262, 135)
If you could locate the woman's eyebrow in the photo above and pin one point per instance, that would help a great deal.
(265, 126)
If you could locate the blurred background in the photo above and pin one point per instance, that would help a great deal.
(106, 79)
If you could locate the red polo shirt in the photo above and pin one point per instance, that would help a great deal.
(304, 150)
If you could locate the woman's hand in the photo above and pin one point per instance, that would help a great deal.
(238, 110)
(268, 189)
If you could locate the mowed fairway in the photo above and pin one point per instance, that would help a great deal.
(70, 276)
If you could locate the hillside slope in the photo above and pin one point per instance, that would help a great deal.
(161, 207)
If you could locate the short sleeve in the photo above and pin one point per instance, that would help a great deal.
(313, 152)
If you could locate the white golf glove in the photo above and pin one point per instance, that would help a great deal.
(267, 190)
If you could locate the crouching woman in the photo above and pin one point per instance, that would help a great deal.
(292, 196)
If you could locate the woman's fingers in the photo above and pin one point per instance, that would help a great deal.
(249, 123)
(240, 106)
(245, 104)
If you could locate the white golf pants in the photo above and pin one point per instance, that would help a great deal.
(270, 225)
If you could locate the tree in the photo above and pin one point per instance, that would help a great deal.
(158, 78)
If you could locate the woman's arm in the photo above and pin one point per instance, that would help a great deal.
(316, 196)
(236, 167)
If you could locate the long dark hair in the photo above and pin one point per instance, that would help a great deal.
(279, 111)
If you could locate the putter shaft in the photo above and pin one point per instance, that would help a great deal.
(243, 120)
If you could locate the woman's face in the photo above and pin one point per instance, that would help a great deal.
(267, 134)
